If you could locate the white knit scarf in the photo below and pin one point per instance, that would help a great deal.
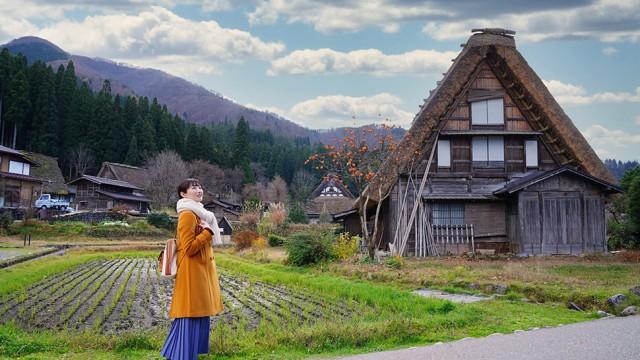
(204, 214)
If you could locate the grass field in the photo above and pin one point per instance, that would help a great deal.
(70, 307)
(587, 282)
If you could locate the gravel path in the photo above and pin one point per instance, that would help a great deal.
(612, 338)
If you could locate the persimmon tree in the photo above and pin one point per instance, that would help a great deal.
(355, 159)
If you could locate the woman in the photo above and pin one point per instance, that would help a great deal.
(196, 295)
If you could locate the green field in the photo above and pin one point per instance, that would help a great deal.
(272, 311)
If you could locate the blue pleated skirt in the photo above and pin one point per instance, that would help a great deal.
(187, 338)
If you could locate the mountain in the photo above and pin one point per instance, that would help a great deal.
(192, 102)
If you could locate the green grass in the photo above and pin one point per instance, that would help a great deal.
(384, 317)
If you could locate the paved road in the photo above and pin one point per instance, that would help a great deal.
(612, 338)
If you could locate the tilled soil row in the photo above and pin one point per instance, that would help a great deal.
(128, 294)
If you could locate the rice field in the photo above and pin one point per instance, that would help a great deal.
(128, 294)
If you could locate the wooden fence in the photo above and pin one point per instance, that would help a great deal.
(455, 239)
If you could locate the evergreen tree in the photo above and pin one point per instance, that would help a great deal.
(192, 144)
(15, 107)
(241, 143)
(133, 154)
(145, 137)
(45, 121)
(65, 90)
(117, 144)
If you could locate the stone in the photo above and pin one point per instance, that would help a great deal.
(635, 290)
(616, 300)
(603, 314)
(629, 310)
(501, 289)
(474, 286)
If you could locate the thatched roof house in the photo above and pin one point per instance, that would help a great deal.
(489, 126)
(123, 172)
(49, 172)
(330, 196)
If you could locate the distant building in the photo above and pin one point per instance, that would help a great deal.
(52, 180)
(99, 193)
(330, 196)
(224, 209)
(132, 174)
(19, 188)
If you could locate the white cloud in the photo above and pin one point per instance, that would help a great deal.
(569, 94)
(324, 112)
(600, 135)
(328, 16)
(609, 51)
(371, 61)
(157, 32)
(216, 5)
(606, 20)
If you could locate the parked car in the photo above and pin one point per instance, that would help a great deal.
(46, 202)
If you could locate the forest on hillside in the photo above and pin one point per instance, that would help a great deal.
(56, 114)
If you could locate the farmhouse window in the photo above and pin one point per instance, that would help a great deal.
(531, 148)
(448, 214)
(487, 112)
(487, 151)
(17, 167)
(444, 153)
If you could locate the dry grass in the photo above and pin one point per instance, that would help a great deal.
(588, 281)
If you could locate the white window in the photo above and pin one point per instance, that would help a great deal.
(444, 153)
(531, 153)
(487, 112)
(487, 151)
(17, 167)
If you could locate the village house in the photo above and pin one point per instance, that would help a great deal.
(52, 180)
(19, 188)
(132, 174)
(223, 209)
(330, 197)
(509, 171)
(101, 194)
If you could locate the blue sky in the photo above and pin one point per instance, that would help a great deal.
(337, 63)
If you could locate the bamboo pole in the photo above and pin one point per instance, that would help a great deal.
(405, 236)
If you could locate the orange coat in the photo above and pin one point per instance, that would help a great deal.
(197, 290)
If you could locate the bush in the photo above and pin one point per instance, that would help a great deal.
(308, 248)
(6, 219)
(275, 240)
(394, 262)
(346, 246)
(162, 221)
(250, 220)
(244, 239)
(297, 215)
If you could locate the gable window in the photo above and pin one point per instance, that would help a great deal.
(487, 112)
(531, 153)
(448, 213)
(444, 153)
(17, 167)
(487, 151)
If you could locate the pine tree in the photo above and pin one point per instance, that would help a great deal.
(133, 154)
(192, 144)
(16, 104)
(45, 121)
(145, 137)
(65, 90)
(241, 143)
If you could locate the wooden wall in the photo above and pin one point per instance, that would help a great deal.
(562, 215)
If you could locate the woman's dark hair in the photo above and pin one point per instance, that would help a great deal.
(185, 185)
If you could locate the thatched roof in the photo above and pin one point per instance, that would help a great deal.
(332, 186)
(498, 49)
(123, 172)
(49, 172)
(333, 205)
(105, 181)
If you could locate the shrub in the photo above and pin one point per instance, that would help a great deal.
(250, 220)
(161, 220)
(275, 240)
(346, 246)
(6, 219)
(244, 239)
(297, 215)
(394, 262)
(308, 248)
(259, 243)
(265, 226)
